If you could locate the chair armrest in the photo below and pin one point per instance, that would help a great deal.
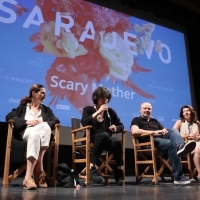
(57, 125)
(143, 135)
(81, 129)
(56, 135)
(11, 121)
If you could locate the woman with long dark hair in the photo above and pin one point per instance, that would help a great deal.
(188, 125)
(35, 122)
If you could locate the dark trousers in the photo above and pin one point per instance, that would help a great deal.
(102, 141)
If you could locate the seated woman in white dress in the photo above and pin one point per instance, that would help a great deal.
(35, 122)
(188, 125)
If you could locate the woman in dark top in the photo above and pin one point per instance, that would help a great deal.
(105, 122)
(34, 121)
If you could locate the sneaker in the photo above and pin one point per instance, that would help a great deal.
(193, 180)
(119, 176)
(94, 176)
(182, 181)
(40, 179)
(186, 148)
(29, 184)
(197, 178)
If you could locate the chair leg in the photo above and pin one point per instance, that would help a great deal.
(153, 153)
(189, 165)
(136, 165)
(51, 181)
(81, 174)
(56, 151)
(87, 156)
(17, 172)
(194, 172)
(7, 156)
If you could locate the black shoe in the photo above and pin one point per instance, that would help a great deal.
(119, 176)
(94, 176)
(186, 148)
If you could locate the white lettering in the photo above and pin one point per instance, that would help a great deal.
(69, 85)
(89, 33)
(83, 88)
(53, 80)
(131, 44)
(89, 27)
(63, 107)
(116, 92)
(119, 92)
(113, 92)
(127, 94)
(60, 84)
(12, 13)
(11, 100)
(30, 20)
(132, 93)
(168, 59)
(59, 23)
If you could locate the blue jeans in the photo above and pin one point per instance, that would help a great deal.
(168, 144)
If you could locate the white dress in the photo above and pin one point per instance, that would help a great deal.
(187, 128)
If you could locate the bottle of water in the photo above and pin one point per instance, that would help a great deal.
(73, 174)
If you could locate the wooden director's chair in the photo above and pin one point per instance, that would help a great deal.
(52, 157)
(146, 154)
(81, 145)
(187, 163)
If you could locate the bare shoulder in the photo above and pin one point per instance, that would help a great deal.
(177, 124)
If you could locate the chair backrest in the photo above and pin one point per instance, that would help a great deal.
(76, 123)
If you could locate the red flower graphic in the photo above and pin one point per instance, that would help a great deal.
(74, 71)
(94, 58)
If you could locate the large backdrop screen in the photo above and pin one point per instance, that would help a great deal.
(72, 47)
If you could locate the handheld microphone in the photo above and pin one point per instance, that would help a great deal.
(108, 112)
(107, 109)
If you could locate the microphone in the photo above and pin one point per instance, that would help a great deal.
(107, 109)
(108, 112)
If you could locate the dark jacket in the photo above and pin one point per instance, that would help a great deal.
(98, 127)
(18, 114)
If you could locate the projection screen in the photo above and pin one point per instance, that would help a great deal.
(72, 47)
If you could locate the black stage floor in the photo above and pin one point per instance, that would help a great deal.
(144, 191)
